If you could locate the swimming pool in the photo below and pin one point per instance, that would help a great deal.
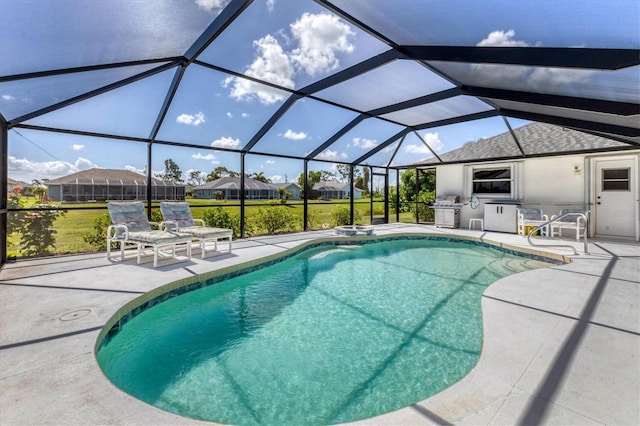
(332, 334)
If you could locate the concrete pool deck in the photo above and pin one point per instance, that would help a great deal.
(561, 344)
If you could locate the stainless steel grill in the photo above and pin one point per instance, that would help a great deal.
(447, 211)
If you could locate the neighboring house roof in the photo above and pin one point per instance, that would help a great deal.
(534, 138)
(103, 176)
(234, 183)
(285, 185)
(13, 182)
(329, 185)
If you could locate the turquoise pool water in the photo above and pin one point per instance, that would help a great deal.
(330, 335)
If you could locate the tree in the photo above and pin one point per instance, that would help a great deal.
(171, 172)
(259, 176)
(343, 172)
(284, 194)
(312, 178)
(326, 175)
(196, 178)
(39, 190)
(220, 172)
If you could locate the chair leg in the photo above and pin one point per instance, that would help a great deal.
(202, 246)
(155, 255)
(189, 250)
(230, 240)
(139, 252)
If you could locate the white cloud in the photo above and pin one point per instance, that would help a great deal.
(198, 156)
(244, 115)
(277, 179)
(537, 78)
(320, 38)
(296, 136)
(365, 143)
(27, 170)
(8, 98)
(328, 155)
(135, 169)
(271, 64)
(271, 4)
(226, 142)
(430, 138)
(229, 115)
(191, 120)
(270, 162)
(77, 147)
(502, 39)
(215, 6)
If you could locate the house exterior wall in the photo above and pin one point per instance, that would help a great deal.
(550, 183)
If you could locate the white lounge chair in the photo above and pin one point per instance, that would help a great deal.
(575, 222)
(131, 226)
(177, 216)
(531, 217)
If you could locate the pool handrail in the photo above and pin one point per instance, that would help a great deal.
(582, 216)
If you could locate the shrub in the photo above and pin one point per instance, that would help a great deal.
(220, 218)
(341, 215)
(98, 238)
(275, 219)
(313, 219)
(37, 236)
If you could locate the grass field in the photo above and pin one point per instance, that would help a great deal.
(71, 227)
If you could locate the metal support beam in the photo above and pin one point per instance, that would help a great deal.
(336, 136)
(4, 220)
(557, 57)
(149, 178)
(560, 101)
(305, 210)
(513, 135)
(351, 195)
(241, 192)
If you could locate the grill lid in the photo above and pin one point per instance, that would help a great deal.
(447, 201)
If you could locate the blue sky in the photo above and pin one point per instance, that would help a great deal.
(289, 43)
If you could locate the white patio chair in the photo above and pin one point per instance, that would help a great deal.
(531, 217)
(575, 222)
(131, 226)
(177, 216)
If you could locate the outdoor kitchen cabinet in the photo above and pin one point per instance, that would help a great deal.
(501, 217)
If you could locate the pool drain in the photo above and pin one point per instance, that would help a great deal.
(74, 315)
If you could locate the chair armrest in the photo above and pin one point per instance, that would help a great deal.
(152, 224)
(168, 225)
(545, 217)
(198, 222)
(114, 228)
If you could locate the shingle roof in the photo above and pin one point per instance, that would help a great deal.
(234, 183)
(96, 175)
(534, 138)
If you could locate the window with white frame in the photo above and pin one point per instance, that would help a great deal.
(493, 180)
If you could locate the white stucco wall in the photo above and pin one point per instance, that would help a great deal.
(549, 183)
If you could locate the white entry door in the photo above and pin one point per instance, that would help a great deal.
(616, 194)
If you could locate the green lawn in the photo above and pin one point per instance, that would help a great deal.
(75, 223)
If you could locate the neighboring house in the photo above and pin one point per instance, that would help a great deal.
(577, 177)
(108, 184)
(229, 187)
(13, 183)
(333, 190)
(293, 189)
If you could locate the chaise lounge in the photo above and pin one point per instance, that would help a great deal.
(177, 216)
(131, 226)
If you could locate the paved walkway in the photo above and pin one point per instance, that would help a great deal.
(562, 344)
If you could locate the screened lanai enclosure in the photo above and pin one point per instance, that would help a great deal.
(364, 94)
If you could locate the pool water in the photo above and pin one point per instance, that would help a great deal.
(330, 335)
